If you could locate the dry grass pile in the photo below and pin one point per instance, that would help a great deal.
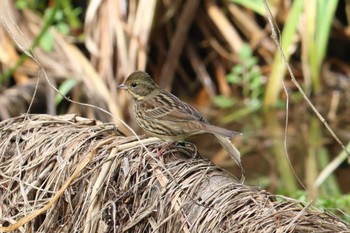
(64, 62)
(71, 174)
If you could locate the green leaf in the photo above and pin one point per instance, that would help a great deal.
(63, 28)
(46, 41)
(21, 4)
(237, 70)
(253, 106)
(223, 101)
(250, 62)
(245, 52)
(64, 89)
(254, 5)
(59, 16)
(233, 78)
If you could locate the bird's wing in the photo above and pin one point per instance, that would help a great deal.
(168, 107)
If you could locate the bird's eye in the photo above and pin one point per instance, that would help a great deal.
(133, 84)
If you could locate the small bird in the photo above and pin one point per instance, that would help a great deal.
(165, 116)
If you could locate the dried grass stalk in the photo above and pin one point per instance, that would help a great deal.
(65, 61)
(96, 180)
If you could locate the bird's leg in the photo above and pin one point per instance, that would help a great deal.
(180, 143)
(187, 148)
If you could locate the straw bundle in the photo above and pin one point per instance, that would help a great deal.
(71, 174)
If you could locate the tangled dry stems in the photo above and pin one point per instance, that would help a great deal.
(91, 178)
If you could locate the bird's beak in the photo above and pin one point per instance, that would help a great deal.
(122, 86)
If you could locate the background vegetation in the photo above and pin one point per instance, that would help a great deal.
(216, 55)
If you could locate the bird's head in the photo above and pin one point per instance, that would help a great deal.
(139, 85)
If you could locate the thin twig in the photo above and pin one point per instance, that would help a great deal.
(275, 37)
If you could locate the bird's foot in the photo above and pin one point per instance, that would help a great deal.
(187, 148)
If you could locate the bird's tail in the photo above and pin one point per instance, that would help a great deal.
(231, 150)
(221, 131)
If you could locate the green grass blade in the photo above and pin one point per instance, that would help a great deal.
(254, 5)
(65, 88)
(274, 85)
(325, 14)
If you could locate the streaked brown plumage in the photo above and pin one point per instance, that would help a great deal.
(165, 116)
